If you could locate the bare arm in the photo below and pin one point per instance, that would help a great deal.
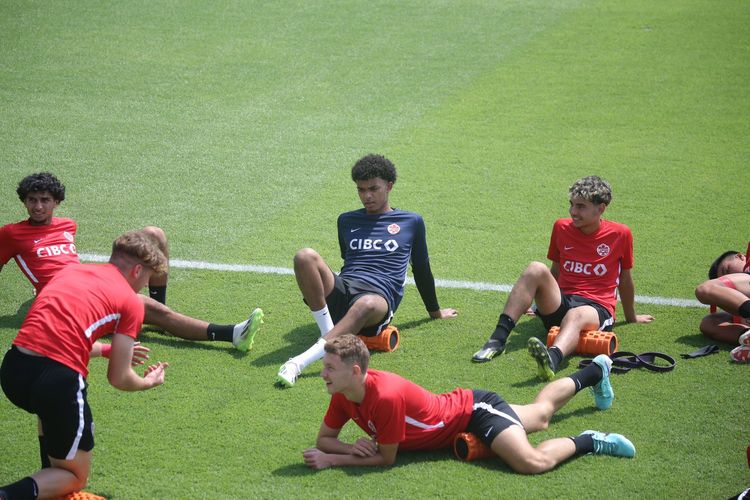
(555, 270)
(627, 298)
(331, 452)
(121, 375)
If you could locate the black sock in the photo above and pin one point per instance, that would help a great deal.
(745, 309)
(556, 356)
(24, 489)
(502, 331)
(587, 377)
(158, 293)
(222, 333)
(43, 455)
(584, 444)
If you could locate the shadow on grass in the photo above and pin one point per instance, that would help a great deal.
(152, 335)
(304, 336)
(404, 458)
(15, 320)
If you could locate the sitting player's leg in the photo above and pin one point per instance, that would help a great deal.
(574, 320)
(241, 335)
(730, 292)
(536, 284)
(157, 285)
(721, 326)
(366, 310)
(64, 476)
(316, 281)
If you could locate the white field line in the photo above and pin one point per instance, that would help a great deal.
(440, 283)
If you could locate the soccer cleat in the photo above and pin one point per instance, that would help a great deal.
(81, 495)
(745, 338)
(615, 445)
(288, 374)
(243, 339)
(740, 354)
(491, 349)
(540, 354)
(603, 393)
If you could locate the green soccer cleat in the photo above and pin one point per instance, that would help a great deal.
(491, 349)
(603, 393)
(244, 333)
(540, 354)
(615, 445)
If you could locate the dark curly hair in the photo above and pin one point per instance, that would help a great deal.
(372, 166)
(713, 271)
(42, 181)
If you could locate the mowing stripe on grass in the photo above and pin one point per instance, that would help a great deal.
(469, 285)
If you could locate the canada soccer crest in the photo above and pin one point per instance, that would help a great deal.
(394, 228)
(602, 250)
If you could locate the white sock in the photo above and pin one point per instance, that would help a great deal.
(311, 355)
(323, 319)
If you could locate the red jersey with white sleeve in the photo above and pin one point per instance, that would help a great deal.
(39, 251)
(82, 303)
(398, 411)
(590, 264)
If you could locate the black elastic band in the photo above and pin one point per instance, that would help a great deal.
(623, 362)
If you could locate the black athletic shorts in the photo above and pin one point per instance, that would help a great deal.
(56, 394)
(568, 302)
(346, 291)
(491, 415)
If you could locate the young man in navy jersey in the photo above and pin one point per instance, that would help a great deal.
(377, 242)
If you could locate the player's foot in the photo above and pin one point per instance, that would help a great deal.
(615, 445)
(745, 338)
(288, 374)
(491, 349)
(740, 354)
(539, 352)
(244, 333)
(603, 393)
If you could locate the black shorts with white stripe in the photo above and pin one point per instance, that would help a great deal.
(491, 415)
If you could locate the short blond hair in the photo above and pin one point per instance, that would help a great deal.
(350, 349)
(142, 247)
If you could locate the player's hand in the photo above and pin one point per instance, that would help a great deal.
(155, 373)
(364, 447)
(643, 318)
(140, 354)
(444, 313)
(316, 459)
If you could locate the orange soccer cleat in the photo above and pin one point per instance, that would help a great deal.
(386, 341)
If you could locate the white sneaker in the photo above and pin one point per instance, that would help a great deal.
(288, 374)
(745, 338)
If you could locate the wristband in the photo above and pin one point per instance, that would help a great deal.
(106, 350)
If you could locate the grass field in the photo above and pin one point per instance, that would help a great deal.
(233, 125)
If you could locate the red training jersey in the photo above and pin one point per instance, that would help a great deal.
(590, 264)
(398, 411)
(39, 251)
(82, 303)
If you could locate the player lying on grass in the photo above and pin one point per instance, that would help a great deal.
(728, 287)
(377, 242)
(45, 370)
(400, 415)
(44, 244)
(591, 257)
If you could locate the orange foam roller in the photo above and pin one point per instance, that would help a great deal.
(468, 447)
(590, 341)
(386, 341)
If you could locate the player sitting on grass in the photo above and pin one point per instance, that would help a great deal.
(591, 257)
(376, 242)
(728, 287)
(400, 415)
(45, 370)
(43, 244)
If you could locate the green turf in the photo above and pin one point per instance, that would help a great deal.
(233, 125)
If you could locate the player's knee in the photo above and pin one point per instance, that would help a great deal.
(703, 291)
(367, 304)
(534, 463)
(305, 256)
(159, 236)
(536, 269)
